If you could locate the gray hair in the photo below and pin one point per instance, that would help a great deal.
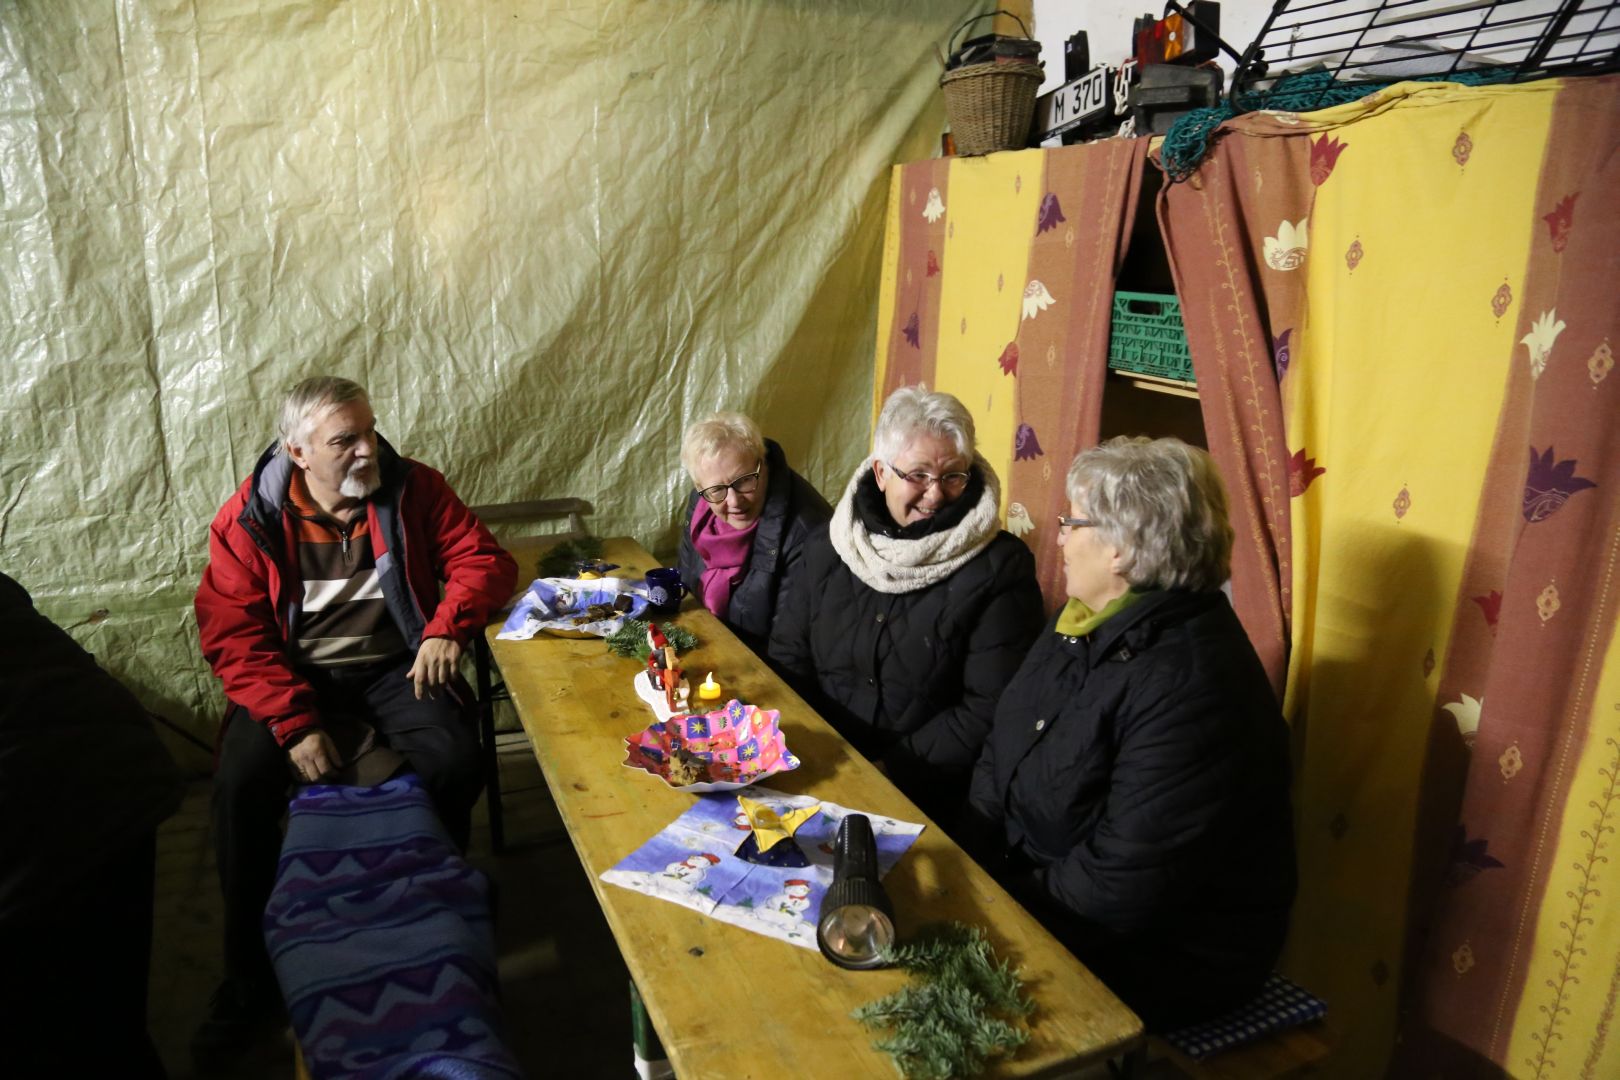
(915, 410)
(1162, 504)
(308, 400)
(714, 434)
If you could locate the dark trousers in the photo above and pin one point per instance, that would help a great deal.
(255, 779)
(73, 995)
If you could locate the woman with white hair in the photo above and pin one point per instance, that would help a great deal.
(1133, 794)
(746, 523)
(916, 608)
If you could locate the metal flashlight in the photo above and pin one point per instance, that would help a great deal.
(857, 922)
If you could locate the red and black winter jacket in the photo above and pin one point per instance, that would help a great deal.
(248, 604)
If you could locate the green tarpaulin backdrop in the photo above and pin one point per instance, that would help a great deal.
(546, 235)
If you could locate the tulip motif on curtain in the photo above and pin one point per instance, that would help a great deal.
(997, 287)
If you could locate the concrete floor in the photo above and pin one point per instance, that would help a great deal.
(566, 992)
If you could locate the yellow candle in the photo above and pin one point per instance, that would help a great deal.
(709, 690)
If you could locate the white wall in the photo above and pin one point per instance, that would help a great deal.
(1438, 23)
(1108, 25)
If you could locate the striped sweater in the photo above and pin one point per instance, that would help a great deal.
(345, 618)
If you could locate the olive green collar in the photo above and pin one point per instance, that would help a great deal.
(1078, 620)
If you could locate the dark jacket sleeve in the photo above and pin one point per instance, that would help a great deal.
(82, 773)
(981, 828)
(1170, 768)
(687, 561)
(809, 515)
(789, 647)
(998, 641)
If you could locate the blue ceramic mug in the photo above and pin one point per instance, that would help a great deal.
(664, 590)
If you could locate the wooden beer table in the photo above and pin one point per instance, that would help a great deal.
(727, 1002)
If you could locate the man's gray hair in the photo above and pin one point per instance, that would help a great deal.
(720, 432)
(915, 410)
(1162, 504)
(308, 400)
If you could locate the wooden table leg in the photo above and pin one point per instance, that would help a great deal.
(652, 1063)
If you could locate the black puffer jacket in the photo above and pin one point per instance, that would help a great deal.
(83, 777)
(911, 679)
(792, 511)
(1134, 796)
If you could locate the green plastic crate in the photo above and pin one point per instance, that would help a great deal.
(1147, 336)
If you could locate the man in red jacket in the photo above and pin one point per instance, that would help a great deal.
(321, 613)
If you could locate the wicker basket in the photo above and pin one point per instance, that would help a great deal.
(990, 102)
(990, 106)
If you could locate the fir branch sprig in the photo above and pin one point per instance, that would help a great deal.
(630, 640)
(944, 1023)
(957, 954)
(562, 559)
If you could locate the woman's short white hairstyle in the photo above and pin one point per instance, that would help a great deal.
(1162, 504)
(718, 433)
(915, 410)
(306, 402)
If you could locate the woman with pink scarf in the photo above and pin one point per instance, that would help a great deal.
(747, 519)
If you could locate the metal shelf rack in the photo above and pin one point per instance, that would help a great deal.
(1388, 40)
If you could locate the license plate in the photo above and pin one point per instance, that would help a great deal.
(1073, 103)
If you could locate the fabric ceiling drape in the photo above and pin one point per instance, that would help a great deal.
(1402, 313)
(997, 287)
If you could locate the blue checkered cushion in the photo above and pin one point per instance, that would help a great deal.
(1278, 1006)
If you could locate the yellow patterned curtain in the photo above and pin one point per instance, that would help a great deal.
(997, 285)
(1403, 313)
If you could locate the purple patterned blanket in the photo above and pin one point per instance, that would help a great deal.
(380, 936)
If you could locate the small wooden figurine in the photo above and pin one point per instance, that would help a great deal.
(663, 671)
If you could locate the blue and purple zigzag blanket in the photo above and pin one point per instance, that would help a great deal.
(380, 936)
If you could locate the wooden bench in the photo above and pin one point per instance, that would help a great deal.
(1295, 1051)
(573, 510)
(1278, 1033)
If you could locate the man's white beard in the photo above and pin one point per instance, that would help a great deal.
(361, 481)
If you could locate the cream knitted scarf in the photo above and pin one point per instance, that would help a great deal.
(902, 566)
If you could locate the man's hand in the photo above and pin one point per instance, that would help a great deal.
(314, 756)
(436, 664)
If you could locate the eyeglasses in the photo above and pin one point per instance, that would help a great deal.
(1075, 523)
(952, 483)
(743, 485)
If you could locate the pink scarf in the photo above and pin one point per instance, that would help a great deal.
(724, 552)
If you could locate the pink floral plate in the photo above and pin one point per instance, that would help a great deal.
(718, 751)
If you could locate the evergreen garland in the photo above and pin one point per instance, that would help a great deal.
(630, 640)
(945, 1023)
(561, 560)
